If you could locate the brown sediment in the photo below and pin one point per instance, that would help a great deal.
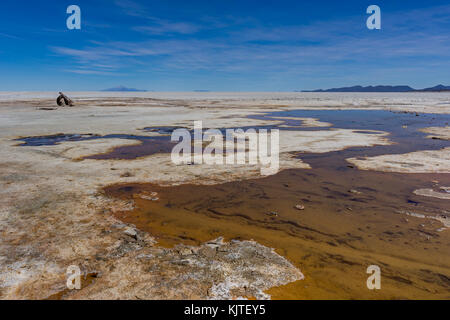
(333, 240)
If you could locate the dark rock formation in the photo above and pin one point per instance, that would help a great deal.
(64, 100)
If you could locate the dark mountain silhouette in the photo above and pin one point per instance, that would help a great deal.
(382, 89)
(439, 87)
(124, 89)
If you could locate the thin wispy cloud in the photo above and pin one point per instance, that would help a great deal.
(164, 27)
(92, 72)
(10, 36)
(282, 49)
(155, 25)
(131, 8)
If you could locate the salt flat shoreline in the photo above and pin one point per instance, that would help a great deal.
(53, 212)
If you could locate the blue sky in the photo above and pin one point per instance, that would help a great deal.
(216, 45)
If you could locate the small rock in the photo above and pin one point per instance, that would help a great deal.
(354, 191)
(126, 174)
(182, 262)
(445, 189)
(349, 209)
(212, 245)
(130, 232)
(185, 251)
(218, 241)
(222, 249)
(118, 225)
(152, 196)
(273, 213)
(299, 207)
(144, 256)
(208, 251)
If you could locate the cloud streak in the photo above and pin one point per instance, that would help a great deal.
(335, 48)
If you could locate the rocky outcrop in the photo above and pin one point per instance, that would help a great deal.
(214, 270)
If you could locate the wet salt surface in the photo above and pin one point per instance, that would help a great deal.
(403, 129)
(382, 120)
(162, 130)
(149, 144)
(55, 139)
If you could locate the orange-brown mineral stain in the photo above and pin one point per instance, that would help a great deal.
(350, 220)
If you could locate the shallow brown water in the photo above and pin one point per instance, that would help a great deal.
(332, 241)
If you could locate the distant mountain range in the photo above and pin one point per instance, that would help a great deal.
(124, 89)
(383, 89)
(439, 87)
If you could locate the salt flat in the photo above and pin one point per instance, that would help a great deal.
(53, 212)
